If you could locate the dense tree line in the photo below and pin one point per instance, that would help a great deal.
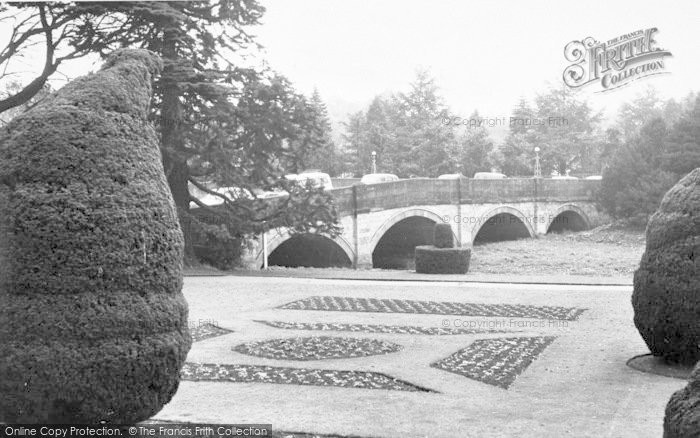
(651, 144)
(650, 161)
(410, 137)
(416, 134)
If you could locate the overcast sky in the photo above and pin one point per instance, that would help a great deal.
(483, 54)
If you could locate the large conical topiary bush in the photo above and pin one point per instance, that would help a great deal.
(666, 297)
(93, 324)
(682, 419)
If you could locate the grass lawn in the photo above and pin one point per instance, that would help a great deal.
(603, 251)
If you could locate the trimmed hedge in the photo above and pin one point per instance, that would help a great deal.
(432, 260)
(442, 236)
(93, 324)
(666, 296)
(682, 419)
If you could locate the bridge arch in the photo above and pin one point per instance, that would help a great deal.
(504, 220)
(392, 244)
(568, 217)
(413, 212)
(280, 236)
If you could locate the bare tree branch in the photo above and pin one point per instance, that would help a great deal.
(37, 84)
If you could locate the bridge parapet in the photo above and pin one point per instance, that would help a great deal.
(567, 190)
(395, 194)
(405, 193)
(484, 191)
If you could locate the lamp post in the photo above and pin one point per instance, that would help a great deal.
(538, 171)
(374, 162)
(538, 174)
(264, 245)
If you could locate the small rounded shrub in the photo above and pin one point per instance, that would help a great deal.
(442, 236)
(432, 260)
(666, 296)
(682, 417)
(93, 323)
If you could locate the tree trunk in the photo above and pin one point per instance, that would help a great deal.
(176, 169)
(177, 175)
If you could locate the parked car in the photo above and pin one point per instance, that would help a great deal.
(208, 199)
(376, 178)
(451, 176)
(270, 194)
(318, 179)
(564, 177)
(489, 175)
(595, 177)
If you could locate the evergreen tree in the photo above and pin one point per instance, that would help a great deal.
(611, 141)
(521, 113)
(423, 142)
(566, 130)
(516, 155)
(380, 135)
(683, 152)
(222, 124)
(635, 181)
(474, 151)
(649, 163)
(354, 157)
(642, 109)
(647, 106)
(320, 152)
(561, 125)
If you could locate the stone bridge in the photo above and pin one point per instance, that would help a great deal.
(382, 223)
